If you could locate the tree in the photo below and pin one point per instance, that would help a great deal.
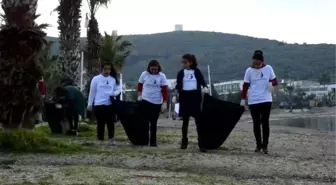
(49, 66)
(301, 95)
(115, 50)
(94, 37)
(21, 40)
(69, 14)
(324, 79)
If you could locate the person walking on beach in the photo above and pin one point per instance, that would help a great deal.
(153, 94)
(259, 81)
(104, 87)
(189, 83)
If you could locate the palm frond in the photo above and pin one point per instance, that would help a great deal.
(115, 50)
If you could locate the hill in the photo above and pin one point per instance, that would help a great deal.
(228, 55)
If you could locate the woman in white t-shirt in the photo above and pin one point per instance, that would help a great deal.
(258, 86)
(104, 87)
(153, 94)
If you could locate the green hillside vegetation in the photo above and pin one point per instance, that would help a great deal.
(228, 55)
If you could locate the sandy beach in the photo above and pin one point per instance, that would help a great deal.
(297, 156)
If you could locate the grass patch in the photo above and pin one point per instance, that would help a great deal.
(21, 140)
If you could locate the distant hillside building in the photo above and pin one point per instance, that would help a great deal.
(178, 27)
(115, 33)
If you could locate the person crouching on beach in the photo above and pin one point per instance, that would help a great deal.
(153, 94)
(258, 85)
(189, 85)
(102, 88)
(75, 104)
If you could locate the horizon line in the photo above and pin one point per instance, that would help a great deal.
(236, 34)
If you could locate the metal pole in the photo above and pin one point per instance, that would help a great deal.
(209, 77)
(82, 71)
(121, 86)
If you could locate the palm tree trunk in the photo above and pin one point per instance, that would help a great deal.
(69, 14)
(94, 40)
(21, 40)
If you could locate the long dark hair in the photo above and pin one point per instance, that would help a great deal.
(191, 58)
(154, 63)
(258, 55)
(113, 72)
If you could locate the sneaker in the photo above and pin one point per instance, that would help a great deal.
(112, 142)
(265, 151)
(153, 145)
(257, 149)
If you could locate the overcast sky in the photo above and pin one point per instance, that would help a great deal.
(311, 21)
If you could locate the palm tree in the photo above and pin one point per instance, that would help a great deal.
(69, 14)
(94, 37)
(115, 50)
(49, 65)
(21, 40)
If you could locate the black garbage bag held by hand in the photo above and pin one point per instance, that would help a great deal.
(218, 119)
(132, 119)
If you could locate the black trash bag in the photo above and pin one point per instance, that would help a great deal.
(131, 117)
(218, 118)
(54, 117)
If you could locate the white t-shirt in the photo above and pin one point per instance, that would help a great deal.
(152, 85)
(189, 80)
(258, 79)
(101, 89)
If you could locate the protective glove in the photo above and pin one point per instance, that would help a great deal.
(243, 102)
(164, 107)
(205, 90)
(139, 98)
(58, 106)
(89, 108)
(173, 99)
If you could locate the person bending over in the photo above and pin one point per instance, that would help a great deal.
(76, 104)
(189, 85)
(102, 88)
(258, 85)
(153, 94)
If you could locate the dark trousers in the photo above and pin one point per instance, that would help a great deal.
(105, 115)
(260, 114)
(73, 118)
(151, 113)
(190, 106)
(185, 126)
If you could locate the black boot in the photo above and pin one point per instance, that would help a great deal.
(152, 141)
(201, 149)
(184, 143)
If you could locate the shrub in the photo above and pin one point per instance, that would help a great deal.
(21, 140)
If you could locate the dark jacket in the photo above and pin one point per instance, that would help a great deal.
(199, 78)
(76, 97)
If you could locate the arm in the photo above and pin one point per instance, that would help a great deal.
(164, 88)
(93, 91)
(273, 78)
(179, 81)
(246, 84)
(201, 79)
(141, 81)
(116, 89)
